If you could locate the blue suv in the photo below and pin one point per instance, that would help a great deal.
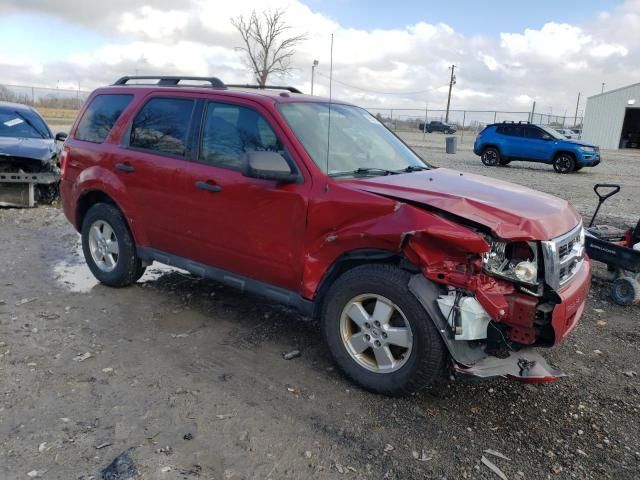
(501, 143)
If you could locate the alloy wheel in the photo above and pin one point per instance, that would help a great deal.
(103, 245)
(376, 333)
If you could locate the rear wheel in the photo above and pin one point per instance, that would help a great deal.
(564, 163)
(626, 291)
(490, 156)
(108, 247)
(378, 333)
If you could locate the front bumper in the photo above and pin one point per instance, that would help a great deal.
(573, 296)
(588, 159)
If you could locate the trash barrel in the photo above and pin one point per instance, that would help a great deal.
(452, 144)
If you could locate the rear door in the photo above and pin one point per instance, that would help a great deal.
(511, 142)
(153, 164)
(248, 226)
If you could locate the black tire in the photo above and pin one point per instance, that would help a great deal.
(504, 162)
(128, 267)
(564, 163)
(426, 357)
(429, 131)
(577, 168)
(625, 291)
(490, 156)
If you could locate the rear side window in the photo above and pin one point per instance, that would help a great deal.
(162, 126)
(510, 130)
(231, 130)
(100, 116)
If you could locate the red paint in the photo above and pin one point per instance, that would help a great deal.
(290, 235)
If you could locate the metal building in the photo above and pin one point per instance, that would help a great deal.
(612, 119)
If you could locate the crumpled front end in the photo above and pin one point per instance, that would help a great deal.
(489, 318)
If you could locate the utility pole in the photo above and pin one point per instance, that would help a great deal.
(603, 84)
(313, 68)
(451, 84)
(575, 117)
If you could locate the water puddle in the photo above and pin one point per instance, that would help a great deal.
(74, 274)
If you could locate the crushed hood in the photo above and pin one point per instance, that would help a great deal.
(511, 211)
(41, 149)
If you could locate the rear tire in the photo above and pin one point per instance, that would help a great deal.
(625, 291)
(490, 156)
(564, 163)
(108, 247)
(388, 353)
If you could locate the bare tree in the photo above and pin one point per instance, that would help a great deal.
(269, 45)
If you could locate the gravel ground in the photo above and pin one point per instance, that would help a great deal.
(190, 374)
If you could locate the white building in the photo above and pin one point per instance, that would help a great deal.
(612, 119)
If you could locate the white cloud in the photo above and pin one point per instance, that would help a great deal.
(552, 42)
(152, 23)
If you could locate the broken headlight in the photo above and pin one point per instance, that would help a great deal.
(515, 261)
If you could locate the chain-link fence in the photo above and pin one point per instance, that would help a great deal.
(466, 121)
(61, 105)
(54, 104)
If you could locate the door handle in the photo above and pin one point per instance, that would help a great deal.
(125, 167)
(208, 186)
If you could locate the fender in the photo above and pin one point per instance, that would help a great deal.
(98, 178)
(389, 232)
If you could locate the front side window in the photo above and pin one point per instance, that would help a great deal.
(231, 130)
(100, 116)
(355, 143)
(162, 126)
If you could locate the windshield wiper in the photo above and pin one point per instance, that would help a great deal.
(365, 171)
(412, 168)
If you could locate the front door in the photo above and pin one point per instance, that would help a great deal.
(248, 226)
(538, 143)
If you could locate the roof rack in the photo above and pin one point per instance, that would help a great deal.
(171, 80)
(267, 87)
(524, 122)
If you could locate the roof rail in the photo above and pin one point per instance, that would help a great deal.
(168, 81)
(523, 122)
(267, 87)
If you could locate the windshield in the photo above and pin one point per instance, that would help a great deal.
(553, 133)
(359, 143)
(20, 123)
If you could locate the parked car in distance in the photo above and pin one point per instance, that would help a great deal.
(27, 146)
(407, 267)
(501, 143)
(568, 133)
(436, 126)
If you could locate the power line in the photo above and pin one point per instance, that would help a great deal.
(375, 91)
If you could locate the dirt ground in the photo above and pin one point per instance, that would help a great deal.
(190, 374)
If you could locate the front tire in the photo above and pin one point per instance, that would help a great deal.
(490, 156)
(564, 163)
(378, 332)
(108, 247)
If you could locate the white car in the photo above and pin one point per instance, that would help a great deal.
(568, 133)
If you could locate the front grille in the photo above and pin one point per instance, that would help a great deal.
(563, 257)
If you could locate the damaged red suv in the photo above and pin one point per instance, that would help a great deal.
(317, 205)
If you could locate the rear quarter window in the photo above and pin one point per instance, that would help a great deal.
(100, 116)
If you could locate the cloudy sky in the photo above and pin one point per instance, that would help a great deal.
(386, 53)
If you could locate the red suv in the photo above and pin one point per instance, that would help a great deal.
(318, 205)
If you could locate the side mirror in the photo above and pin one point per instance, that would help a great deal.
(268, 166)
(546, 137)
(61, 136)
